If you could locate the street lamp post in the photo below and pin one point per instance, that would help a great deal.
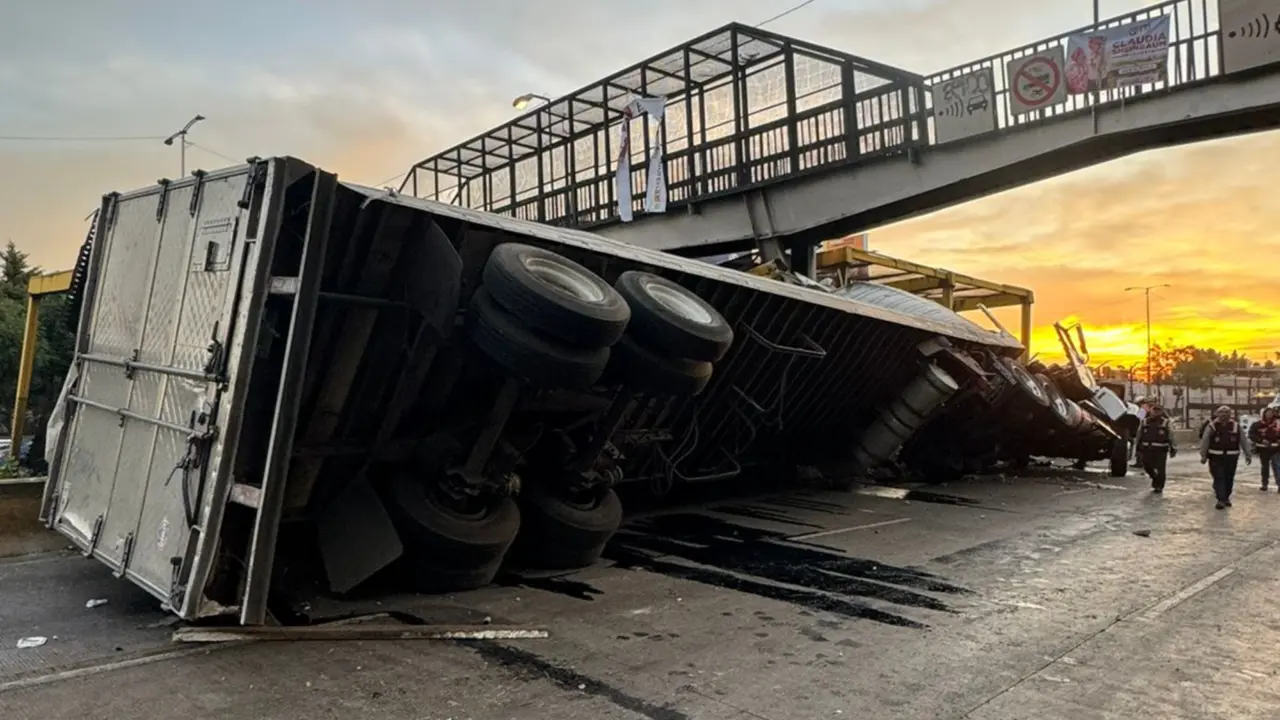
(1146, 290)
(523, 101)
(181, 136)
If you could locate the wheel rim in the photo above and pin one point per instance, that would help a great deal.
(1028, 382)
(679, 303)
(1061, 408)
(565, 279)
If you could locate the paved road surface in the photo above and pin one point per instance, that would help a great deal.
(992, 599)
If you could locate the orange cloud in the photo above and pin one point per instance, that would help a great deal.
(1201, 218)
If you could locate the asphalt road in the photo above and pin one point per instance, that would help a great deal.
(992, 599)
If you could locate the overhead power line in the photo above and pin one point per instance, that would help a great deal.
(80, 138)
(211, 151)
(786, 12)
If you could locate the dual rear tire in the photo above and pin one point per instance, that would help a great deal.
(551, 322)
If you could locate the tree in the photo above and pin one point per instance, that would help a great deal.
(1195, 367)
(1166, 361)
(55, 347)
(15, 272)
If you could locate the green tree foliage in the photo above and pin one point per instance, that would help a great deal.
(55, 348)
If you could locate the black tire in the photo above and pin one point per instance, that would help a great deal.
(555, 296)
(448, 550)
(1026, 389)
(666, 316)
(1120, 456)
(510, 344)
(1057, 402)
(562, 535)
(638, 367)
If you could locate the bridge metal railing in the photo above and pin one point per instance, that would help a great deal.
(1194, 56)
(762, 122)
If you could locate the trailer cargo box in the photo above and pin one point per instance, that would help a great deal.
(422, 385)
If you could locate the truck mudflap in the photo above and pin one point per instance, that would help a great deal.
(263, 345)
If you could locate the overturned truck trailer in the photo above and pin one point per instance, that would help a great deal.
(265, 353)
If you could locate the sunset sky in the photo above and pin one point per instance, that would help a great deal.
(366, 89)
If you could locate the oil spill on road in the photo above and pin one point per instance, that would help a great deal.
(926, 496)
(529, 666)
(575, 589)
(783, 510)
(760, 562)
(763, 513)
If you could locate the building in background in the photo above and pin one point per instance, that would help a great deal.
(1246, 390)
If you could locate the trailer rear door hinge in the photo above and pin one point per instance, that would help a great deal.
(257, 179)
(196, 191)
(94, 536)
(164, 197)
(125, 556)
(112, 211)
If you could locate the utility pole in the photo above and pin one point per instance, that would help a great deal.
(181, 136)
(1146, 290)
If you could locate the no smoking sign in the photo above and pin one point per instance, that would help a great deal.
(1036, 81)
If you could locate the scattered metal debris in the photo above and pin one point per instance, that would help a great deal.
(334, 632)
(95, 602)
(34, 641)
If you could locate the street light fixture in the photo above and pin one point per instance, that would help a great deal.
(527, 99)
(181, 135)
(1146, 290)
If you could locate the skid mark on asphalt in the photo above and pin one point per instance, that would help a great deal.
(528, 666)
(765, 563)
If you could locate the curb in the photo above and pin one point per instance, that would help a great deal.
(21, 532)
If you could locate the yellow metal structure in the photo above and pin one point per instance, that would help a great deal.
(37, 288)
(962, 293)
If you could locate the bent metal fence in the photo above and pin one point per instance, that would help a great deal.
(747, 108)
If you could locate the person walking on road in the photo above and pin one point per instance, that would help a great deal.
(1155, 446)
(1134, 451)
(1221, 447)
(1264, 436)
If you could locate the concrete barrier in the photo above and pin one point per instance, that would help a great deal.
(20, 530)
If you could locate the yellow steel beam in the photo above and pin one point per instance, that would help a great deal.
(49, 283)
(918, 285)
(37, 287)
(1026, 330)
(853, 256)
(969, 303)
(26, 366)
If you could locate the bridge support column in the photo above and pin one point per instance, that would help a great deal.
(1025, 330)
(762, 226)
(804, 258)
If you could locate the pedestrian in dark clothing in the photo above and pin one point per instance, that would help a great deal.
(1264, 435)
(1221, 447)
(1155, 445)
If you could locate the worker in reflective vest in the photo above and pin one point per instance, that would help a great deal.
(1264, 435)
(1136, 453)
(1155, 445)
(1221, 447)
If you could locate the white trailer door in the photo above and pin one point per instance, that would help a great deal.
(141, 442)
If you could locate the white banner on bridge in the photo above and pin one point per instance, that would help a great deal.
(1135, 53)
(1250, 33)
(655, 199)
(964, 106)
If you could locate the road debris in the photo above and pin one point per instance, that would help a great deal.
(34, 641)
(356, 632)
(95, 602)
(1142, 533)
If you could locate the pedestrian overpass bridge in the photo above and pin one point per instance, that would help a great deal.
(771, 138)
